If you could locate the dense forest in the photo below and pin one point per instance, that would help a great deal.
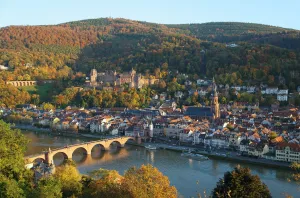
(262, 53)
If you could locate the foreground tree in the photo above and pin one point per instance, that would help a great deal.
(48, 187)
(296, 169)
(240, 183)
(69, 178)
(148, 181)
(13, 175)
(108, 184)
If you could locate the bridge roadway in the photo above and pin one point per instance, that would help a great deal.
(68, 151)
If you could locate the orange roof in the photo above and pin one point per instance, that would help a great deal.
(277, 139)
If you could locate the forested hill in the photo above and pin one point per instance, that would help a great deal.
(53, 52)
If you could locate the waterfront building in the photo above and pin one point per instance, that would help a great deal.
(288, 152)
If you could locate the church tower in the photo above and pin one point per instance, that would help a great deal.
(215, 101)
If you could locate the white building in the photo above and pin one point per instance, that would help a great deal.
(288, 152)
(2, 67)
(251, 89)
(271, 90)
(283, 91)
(282, 97)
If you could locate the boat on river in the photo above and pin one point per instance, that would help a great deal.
(151, 147)
(194, 156)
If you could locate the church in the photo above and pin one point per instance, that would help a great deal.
(210, 113)
(113, 78)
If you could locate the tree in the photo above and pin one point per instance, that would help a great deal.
(272, 135)
(47, 106)
(296, 168)
(48, 187)
(12, 148)
(108, 184)
(12, 169)
(70, 178)
(148, 181)
(240, 183)
(9, 188)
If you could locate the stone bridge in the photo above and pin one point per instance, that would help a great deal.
(21, 83)
(68, 151)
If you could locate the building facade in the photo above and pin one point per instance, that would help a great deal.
(112, 78)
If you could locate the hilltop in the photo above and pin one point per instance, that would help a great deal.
(263, 52)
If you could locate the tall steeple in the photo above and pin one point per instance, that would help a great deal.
(215, 101)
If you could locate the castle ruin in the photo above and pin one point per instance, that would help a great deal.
(113, 78)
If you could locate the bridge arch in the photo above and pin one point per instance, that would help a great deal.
(65, 155)
(100, 145)
(119, 144)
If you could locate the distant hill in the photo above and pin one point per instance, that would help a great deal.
(121, 44)
(228, 29)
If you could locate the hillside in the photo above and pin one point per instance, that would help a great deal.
(263, 53)
(228, 29)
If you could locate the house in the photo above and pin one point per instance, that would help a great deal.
(271, 90)
(258, 149)
(202, 92)
(282, 97)
(251, 89)
(232, 45)
(283, 91)
(95, 127)
(288, 152)
(129, 131)
(234, 140)
(2, 67)
(187, 83)
(220, 141)
(202, 82)
(186, 135)
(163, 96)
(168, 106)
(237, 88)
(199, 137)
(244, 145)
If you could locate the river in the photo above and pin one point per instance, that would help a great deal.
(187, 175)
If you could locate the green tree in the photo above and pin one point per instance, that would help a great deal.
(12, 148)
(47, 106)
(240, 183)
(273, 135)
(70, 178)
(12, 168)
(48, 187)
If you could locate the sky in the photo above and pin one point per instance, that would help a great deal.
(284, 13)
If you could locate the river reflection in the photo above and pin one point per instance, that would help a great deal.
(189, 176)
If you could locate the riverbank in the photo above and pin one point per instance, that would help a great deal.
(247, 160)
(215, 155)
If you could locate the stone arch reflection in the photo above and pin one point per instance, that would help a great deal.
(104, 157)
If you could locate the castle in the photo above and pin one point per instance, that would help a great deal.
(112, 78)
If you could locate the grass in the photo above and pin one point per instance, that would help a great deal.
(44, 91)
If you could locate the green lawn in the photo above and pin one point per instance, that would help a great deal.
(44, 91)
